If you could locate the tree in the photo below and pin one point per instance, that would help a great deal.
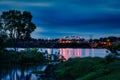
(16, 24)
(3, 39)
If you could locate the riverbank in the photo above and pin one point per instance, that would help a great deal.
(73, 69)
(89, 69)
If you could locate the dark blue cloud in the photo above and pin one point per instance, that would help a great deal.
(70, 17)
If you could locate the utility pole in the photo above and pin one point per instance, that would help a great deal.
(91, 41)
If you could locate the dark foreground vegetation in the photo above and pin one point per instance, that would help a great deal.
(31, 56)
(89, 69)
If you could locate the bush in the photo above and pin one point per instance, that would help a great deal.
(114, 48)
(33, 56)
(22, 57)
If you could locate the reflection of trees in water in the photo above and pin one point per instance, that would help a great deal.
(4, 71)
(8, 72)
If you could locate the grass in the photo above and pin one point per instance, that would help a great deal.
(88, 69)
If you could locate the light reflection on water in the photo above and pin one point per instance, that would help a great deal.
(72, 53)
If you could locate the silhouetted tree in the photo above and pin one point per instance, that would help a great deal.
(16, 24)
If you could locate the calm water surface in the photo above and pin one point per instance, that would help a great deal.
(13, 72)
(72, 53)
(76, 52)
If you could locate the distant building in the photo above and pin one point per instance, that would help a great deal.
(71, 39)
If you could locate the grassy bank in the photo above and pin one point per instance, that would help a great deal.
(89, 69)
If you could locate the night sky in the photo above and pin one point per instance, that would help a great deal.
(59, 18)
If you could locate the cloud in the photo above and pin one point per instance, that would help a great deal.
(64, 17)
(26, 4)
(87, 35)
(112, 9)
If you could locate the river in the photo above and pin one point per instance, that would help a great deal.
(21, 72)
